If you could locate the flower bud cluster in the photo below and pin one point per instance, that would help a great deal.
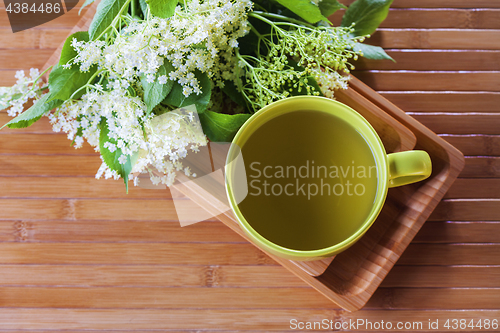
(293, 54)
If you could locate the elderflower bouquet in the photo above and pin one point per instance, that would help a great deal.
(128, 85)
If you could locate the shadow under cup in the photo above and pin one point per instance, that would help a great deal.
(315, 177)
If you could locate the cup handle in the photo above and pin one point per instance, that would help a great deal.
(408, 167)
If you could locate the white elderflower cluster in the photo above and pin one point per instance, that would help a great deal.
(168, 137)
(88, 53)
(16, 96)
(123, 115)
(329, 81)
(201, 37)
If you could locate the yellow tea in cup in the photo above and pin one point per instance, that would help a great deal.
(311, 177)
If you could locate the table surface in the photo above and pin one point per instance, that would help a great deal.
(79, 254)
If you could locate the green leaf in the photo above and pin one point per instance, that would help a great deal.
(233, 93)
(176, 97)
(306, 9)
(372, 52)
(35, 112)
(85, 4)
(63, 82)
(367, 15)
(328, 7)
(162, 8)
(144, 8)
(68, 52)
(156, 92)
(220, 127)
(112, 158)
(106, 12)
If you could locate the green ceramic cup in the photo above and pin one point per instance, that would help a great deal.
(392, 170)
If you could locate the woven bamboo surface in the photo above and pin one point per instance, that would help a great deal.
(78, 254)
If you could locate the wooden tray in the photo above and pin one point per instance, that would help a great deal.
(351, 278)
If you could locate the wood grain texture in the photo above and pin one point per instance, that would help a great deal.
(474, 188)
(437, 18)
(458, 232)
(51, 143)
(220, 276)
(456, 39)
(453, 298)
(163, 298)
(7, 76)
(109, 231)
(49, 165)
(114, 232)
(133, 254)
(475, 145)
(248, 298)
(18, 58)
(442, 4)
(447, 101)
(35, 38)
(463, 123)
(446, 76)
(432, 81)
(435, 60)
(483, 167)
(72, 187)
(443, 277)
(439, 4)
(466, 210)
(148, 276)
(451, 254)
(91, 209)
(185, 253)
(183, 319)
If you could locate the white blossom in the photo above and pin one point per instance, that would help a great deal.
(16, 96)
(168, 137)
(329, 81)
(201, 37)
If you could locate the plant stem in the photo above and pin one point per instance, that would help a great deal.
(39, 76)
(115, 20)
(88, 82)
(259, 14)
(133, 7)
(45, 71)
(42, 89)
